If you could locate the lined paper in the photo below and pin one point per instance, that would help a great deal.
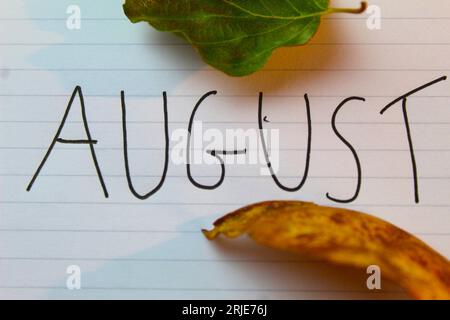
(128, 248)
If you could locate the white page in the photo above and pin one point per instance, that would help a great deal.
(130, 248)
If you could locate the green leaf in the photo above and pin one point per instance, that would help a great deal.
(235, 36)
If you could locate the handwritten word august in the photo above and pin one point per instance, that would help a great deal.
(220, 154)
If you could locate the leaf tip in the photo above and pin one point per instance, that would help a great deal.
(210, 234)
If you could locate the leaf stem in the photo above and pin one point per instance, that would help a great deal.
(359, 10)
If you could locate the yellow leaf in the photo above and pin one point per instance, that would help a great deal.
(343, 237)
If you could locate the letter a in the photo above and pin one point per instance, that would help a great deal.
(374, 280)
(88, 141)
